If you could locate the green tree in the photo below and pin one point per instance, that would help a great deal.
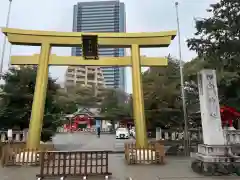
(17, 96)
(84, 96)
(71, 98)
(115, 104)
(218, 46)
(218, 36)
(65, 101)
(162, 97)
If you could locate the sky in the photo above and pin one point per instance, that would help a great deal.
(141, 16)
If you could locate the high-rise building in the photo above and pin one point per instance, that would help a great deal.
(102, 16)
(84, 75)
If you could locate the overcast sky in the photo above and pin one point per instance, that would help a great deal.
(142, 16)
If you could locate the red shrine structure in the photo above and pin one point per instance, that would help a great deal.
(78, 121)
(83, 118)
(228, 116)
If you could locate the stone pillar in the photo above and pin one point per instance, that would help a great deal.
(210, 110)
(17, 138)
(10, 134)
(158, 133)
(116, 125)
(173, 136)
(166, 135)
(3, 137)
(25, 133)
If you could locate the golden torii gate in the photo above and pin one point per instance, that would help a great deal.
(48, 39)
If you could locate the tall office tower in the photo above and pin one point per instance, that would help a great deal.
(84, 75)
(102, 16)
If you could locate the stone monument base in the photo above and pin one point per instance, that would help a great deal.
(216, 160)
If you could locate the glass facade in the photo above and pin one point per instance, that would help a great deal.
(102, 16)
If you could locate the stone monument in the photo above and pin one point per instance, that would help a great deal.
(218, 154)
(210, 110)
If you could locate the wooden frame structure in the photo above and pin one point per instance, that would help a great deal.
(75, 164)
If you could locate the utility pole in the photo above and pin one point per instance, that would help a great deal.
(5, 39)
(186, 141)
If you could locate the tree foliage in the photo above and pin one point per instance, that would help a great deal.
(17, 97)
(162, 95)
(71, 98)
(218, 36)
(217, 43)
(115, 104)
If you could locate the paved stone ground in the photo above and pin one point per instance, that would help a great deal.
(175, 167)
(85, 141)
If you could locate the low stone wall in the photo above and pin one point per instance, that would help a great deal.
(17, 136)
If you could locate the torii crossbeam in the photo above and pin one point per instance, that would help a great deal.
(48, 39)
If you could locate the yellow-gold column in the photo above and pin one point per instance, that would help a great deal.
(138, 101)
(39, 98)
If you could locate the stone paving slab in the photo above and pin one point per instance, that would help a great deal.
(85, 141)
(175, 168)
(88, 141)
